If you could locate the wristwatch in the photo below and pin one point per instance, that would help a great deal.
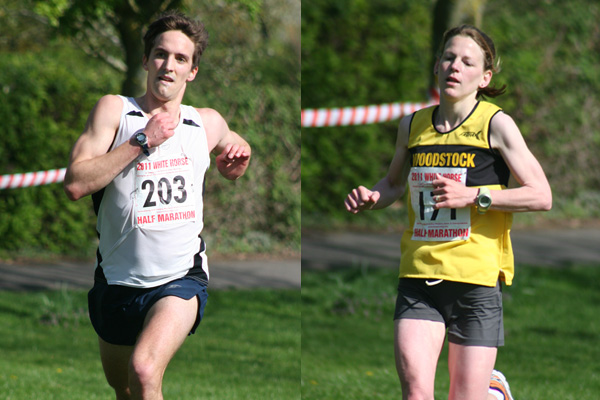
(142, 140)
(484, 200)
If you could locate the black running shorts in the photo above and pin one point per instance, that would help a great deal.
(118, 312)
(472, 313)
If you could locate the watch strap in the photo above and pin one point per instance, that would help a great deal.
(483, 196)
(143, 144)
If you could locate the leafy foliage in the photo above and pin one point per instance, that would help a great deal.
(258, 94)
(358, 53)
(43, 111)
(250, 74)
(552, 75)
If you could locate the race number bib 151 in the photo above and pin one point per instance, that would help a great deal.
(164, 192)
(444, 224)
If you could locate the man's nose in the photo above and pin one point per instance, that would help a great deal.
(169, 63)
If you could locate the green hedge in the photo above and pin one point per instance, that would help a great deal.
(359, 53)
(45, 98)
(260, 211)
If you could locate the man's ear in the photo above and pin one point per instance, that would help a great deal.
(436, 66)
(192, 74)
(145, 63)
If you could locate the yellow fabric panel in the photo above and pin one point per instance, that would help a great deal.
(486, 255)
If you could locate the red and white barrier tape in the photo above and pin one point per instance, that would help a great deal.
(362, 115)
(32, 178)
(311, 118)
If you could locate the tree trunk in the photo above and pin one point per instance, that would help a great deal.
(448, 14)
(130, 31)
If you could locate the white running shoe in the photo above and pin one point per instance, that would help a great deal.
(499, 383)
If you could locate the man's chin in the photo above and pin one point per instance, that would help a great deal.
(163, 95)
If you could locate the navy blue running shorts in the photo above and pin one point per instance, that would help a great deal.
(118, 312)
(472, 313)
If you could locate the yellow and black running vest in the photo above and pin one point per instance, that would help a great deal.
(458, 245)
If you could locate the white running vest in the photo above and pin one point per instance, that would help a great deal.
(150, 215)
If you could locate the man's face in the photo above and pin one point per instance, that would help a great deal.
(169, 65)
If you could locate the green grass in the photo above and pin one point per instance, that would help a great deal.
(552, 332)
(247, 347)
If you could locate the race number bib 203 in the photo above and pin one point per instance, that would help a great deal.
(444, 224)
(164, 192)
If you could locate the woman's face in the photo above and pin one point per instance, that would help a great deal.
(460, 68)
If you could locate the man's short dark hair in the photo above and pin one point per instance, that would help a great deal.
(175, 21)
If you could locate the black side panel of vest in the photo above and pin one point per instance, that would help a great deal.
(196, 271)
(97, 199)
(190, 122)
(98, 273)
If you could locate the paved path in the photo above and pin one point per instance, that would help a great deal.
(223, 274)
(552, 248)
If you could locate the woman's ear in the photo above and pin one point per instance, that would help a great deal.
(487, 78)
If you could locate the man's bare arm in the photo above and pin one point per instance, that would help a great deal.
(233, 152)
(91, 167)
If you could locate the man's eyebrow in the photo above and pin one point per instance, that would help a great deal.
(160, 48)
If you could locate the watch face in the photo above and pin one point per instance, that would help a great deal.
(140, 137)
(485, 201)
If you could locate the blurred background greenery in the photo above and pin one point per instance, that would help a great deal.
(357, 52)
(58, 57)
